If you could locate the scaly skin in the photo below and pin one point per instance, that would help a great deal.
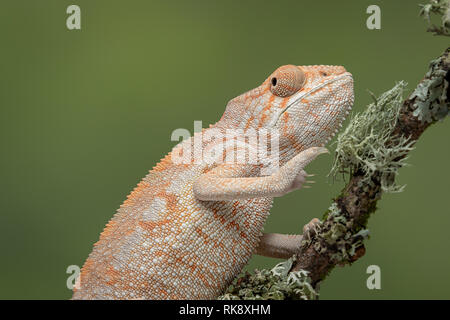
(187, 230)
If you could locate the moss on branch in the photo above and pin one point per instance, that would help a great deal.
(370, 151)
(275, 284)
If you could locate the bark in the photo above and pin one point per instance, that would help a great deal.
(357, 201)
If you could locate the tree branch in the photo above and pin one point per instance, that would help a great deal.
(339, 241)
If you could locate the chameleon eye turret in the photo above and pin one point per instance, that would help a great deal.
(286, 80)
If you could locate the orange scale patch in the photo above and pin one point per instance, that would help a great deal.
(202, 234)
(108, 230)
(249, 122)
(283, 103)
(204, 281)
(87, 267)
(232, 225)
(150, 225)
(113, 275)
(266, 109)
(312, 114)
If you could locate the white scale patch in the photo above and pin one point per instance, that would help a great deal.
(156, 210)
(183, 177)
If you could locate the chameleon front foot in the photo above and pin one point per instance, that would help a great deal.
(295, 167)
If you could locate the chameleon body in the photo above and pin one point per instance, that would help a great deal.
(187, 229)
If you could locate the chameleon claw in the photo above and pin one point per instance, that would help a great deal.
(311, 228)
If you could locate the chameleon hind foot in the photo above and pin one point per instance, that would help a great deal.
(284, 246)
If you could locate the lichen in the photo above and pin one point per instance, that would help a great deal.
(440, 8)
(337, 233)
(368, 145)
(431, 102)
(275, 284)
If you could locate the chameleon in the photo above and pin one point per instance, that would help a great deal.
(189, 228)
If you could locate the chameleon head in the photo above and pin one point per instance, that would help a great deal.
(307, 104)
(314, 101)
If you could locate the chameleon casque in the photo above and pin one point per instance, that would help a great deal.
(187, 230)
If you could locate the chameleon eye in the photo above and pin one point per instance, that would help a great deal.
(286, 80)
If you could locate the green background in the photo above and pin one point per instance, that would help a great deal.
(86, 113)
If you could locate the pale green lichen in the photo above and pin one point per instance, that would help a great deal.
(336, 231)
(367, 144)
(440, 8)
(430, 102)
(275, 284)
